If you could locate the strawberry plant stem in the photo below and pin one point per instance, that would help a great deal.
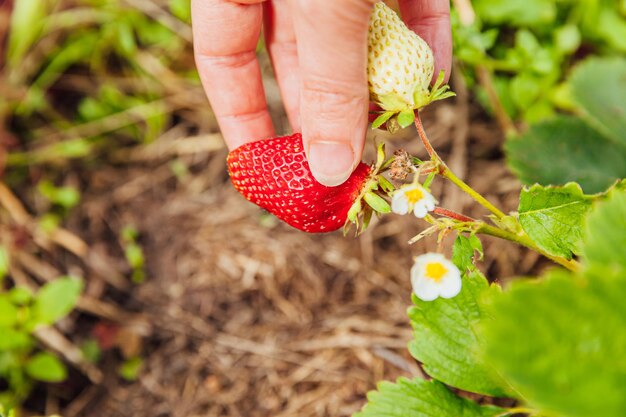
(445, 172)
(524, 240)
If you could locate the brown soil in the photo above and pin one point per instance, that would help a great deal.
(240, 315)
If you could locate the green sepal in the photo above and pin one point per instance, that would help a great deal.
(406, 118)
(380, 155)
(429, 180)
(392, 103)
(367, 217)
(354, 211)
(381, 119)
(377, 202)
(385, 184)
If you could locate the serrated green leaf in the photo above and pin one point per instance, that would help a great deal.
(560, 342)
(420, 398)
(599, 87)
(55, 299)
(380, 120)
(445, 340)
(605, 234)
(46, 367)
(553, 217)
(463, 254)
(377, 202)
(477, 245)
(566, 149)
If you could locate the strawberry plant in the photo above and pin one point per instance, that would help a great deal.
(517, 55)
(22, 315)
(544, 346)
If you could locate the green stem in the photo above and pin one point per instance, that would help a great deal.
(472, 193)
(445, 172)
(524, 240)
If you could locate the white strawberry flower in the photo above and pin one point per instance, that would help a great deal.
(432, 276)
(412, 197)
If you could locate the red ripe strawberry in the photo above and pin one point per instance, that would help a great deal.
(275, 175)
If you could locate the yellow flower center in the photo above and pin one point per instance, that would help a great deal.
(435, 271)
(414, 195)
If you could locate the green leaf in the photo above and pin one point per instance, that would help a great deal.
(420, 398)
(56, 299)
(560, 343)
(605, 237)
(20, 295)
(26, 23)
(377, 202)
(477, 245)
(599, 87)
(46, 367)
(131, 368)
(382, 119)
(406, 118)
(463, 254)
(14, 339)
(567, 38)
(516, 12)
(445, 340)
(566, 149)
(5, 263)
(8, 312)
(553, 217)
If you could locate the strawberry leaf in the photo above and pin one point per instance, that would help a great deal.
(445, 338)
(420, 398)
(599, 87)
(566, 149)
(553, 217)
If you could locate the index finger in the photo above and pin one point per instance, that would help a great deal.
(431, 20)
(225, 38)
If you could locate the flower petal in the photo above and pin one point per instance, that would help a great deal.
(420, 210)
(451, 284)
(426, 289)
(399, 203)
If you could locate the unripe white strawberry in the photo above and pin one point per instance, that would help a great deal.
(399, 62)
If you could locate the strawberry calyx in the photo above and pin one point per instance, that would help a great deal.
(371, 197)
(399, 113)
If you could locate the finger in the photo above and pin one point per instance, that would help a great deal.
(431, 20)
(225, 38)
(332, 51)
(281, 45)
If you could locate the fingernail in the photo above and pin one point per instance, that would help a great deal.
(331, 163)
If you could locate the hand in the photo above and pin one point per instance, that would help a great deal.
(319, 52)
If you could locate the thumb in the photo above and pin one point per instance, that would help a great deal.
(332, 50)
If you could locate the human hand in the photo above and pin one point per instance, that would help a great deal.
(319, 52)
